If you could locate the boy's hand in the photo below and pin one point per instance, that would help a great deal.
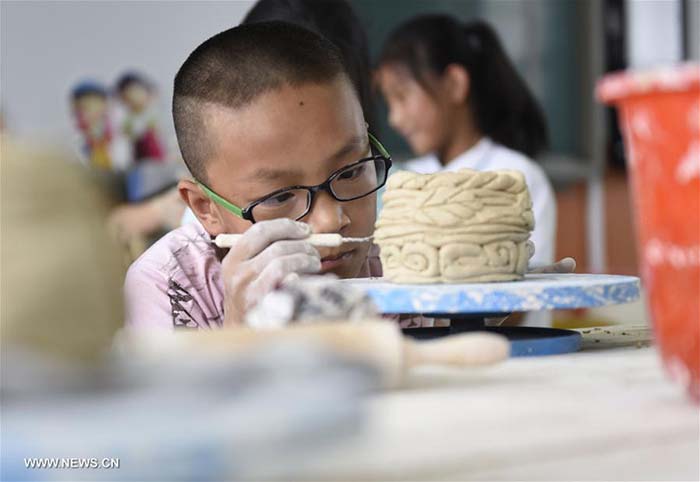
(260, 260)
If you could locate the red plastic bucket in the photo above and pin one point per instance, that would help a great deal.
(659, 114)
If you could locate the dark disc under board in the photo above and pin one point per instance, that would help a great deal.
(524, 340)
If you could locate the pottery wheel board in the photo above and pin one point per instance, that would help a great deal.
(535, 292)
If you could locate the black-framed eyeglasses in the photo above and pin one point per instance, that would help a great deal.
(351, 182)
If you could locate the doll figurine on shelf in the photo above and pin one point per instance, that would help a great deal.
(138, 96)
(102, 147)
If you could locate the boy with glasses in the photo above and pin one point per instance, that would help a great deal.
(272, 131)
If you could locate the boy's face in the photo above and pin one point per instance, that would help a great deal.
(288, 137)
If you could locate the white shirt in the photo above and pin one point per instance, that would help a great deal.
(487, 155)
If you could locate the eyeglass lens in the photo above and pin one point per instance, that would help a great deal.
(353, 182)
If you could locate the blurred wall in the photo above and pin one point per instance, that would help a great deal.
(648, 22)
(46, 47)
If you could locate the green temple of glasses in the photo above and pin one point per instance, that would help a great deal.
(239, 211)
(221, 201)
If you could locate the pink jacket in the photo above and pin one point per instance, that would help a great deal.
(177, 282)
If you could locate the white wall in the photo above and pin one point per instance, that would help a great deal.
(46, 47)
(654, 32)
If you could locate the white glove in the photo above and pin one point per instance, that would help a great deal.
(261, 259)
(564, 265)
(311, 299)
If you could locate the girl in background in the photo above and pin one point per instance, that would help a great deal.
(454, 95)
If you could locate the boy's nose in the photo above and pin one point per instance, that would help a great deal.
(327, 215)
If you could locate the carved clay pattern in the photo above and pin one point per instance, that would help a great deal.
(455, 227)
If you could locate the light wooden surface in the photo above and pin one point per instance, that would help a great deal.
(615, 336)
(598, 415)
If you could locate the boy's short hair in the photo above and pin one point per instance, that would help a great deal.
(234, 67)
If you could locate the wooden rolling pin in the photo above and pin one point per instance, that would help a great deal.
(378, 342)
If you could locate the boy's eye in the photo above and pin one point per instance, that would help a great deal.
(353, 173)
(278, 199)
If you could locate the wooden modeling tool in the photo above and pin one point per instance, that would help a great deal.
(329, 240)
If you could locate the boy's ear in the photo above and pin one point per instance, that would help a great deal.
(201, 206)
(457, 83)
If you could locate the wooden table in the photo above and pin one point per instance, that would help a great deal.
(595, 415)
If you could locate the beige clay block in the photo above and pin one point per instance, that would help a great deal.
(455, 227)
